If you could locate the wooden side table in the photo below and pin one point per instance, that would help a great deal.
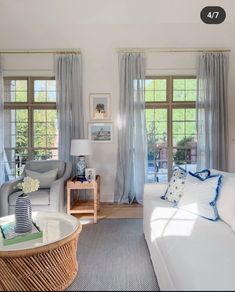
(79, 207)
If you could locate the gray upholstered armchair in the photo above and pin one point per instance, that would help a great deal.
(46, 199)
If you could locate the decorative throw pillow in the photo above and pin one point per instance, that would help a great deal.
(45, 178)
(203, 174)
(200, 196)
(176, 185)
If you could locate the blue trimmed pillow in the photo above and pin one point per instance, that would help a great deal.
(175, 189)
(200, 195)
(203, 174)
(176, 185)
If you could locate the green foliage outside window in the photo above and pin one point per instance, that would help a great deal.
(182, 154)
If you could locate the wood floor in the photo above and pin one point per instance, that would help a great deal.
(115, 211)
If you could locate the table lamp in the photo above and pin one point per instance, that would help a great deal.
(81, 148)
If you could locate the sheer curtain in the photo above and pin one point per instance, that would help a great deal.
(69, 100)
(131, 157)
(212, 111)
(2, 174)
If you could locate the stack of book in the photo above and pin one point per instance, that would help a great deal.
(9, 236)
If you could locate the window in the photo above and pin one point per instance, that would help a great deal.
(171, 125)
(30, 121)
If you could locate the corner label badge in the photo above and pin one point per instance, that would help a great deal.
(213, 15)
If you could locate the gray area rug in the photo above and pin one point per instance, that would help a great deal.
(113, 256)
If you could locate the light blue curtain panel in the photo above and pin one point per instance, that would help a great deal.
(212, 118)
(69, 101)
(2, 173)
(131, 156)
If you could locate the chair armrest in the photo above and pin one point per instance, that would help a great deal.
(6, 189)
(155, 189)
(57, 189)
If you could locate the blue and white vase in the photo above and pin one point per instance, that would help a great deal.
(81, 165)
(23, 214)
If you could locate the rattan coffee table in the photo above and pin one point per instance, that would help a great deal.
(45, 264)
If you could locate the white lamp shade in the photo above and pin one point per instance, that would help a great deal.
(81, 147)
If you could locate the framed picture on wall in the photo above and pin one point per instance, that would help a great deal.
(100, 132)
(100, 106)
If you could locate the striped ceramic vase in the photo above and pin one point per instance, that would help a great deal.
(23, 214)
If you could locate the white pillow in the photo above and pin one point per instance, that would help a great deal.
(203, 174)
(200, 196)
(226, 200)
(45, 178)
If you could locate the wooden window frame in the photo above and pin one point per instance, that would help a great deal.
(30, 105)
(170, 104)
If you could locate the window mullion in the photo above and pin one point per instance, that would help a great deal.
(31, 97)
(170, 126)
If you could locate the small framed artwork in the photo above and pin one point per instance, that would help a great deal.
(90, 174)
(100, 106)
(100, 132)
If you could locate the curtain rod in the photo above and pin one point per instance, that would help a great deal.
(55, 51)
(172, 50)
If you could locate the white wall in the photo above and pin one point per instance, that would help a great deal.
(98, 28)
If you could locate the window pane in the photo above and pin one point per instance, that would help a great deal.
(51, 96)
(14, 162)
(190, 95)
(51, 85)
(185, 138)
(186, 158)
(149, 84)
(179, 84)
(178, 128)
(44, 154)
(179, 95)
(16, 128)
(45, 128)
(179, 140)
(156, 121)
(44, 90)
(149, 95)
(190, 114)
(155, 90)
(190, 129)
(40, 85)
(184, 127)
(160, 84)
(15, 90)
(184, 89)
(178, 114)
(160, 95)
(40, 96)
(157, 165)
(191, 84)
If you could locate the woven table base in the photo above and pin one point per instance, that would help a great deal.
(48, 268)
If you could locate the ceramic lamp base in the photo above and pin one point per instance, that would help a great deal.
(81, 166)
